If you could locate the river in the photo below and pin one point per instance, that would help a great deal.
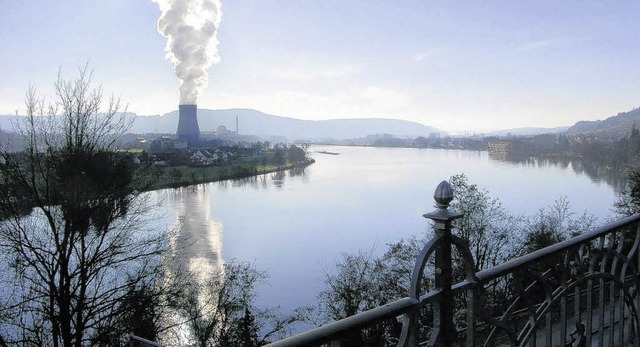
(295, 224)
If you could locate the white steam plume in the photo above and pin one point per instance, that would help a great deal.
(190, 27)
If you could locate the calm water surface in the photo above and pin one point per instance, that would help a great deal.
(296, 224)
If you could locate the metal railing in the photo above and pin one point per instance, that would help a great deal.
(582, 291)
(137, 341)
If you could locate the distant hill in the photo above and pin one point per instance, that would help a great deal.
(612, 127)
(252, 122)
(530, 131)
(11, 141)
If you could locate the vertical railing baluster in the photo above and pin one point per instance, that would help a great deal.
(577, 313)
(548, 328)
(563, 308)
(603, 269)
(601, 285)
(612, 311)
(619, 304)
(601, 294)
(592, 268)
(471, 317)
(534, 337)
(621, 313)
(636, 297)
(589, 312)
(444, 331)
(547, 317)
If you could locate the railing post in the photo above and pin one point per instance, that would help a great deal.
(444, 332)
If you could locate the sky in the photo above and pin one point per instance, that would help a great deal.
(454, 65)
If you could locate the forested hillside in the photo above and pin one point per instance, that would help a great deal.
(614, 127)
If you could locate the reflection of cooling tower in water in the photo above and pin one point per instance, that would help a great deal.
(188, 128)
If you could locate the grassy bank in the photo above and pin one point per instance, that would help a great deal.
(181, 176)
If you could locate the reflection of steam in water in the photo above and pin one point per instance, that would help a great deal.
(196, 252)
(198, 244)
(195, 263)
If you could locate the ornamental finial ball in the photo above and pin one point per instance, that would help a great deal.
(443, 194)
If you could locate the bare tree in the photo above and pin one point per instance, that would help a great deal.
(72, 234)
(486, 225)
(361, 282)
(216, 308)
(628, 201)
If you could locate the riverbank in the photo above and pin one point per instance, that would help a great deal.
(184, 175)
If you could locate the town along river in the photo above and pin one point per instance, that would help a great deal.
(296, 224)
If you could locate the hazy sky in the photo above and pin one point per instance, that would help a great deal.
(455, 65)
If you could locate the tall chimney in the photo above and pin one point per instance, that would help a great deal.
(188, 123)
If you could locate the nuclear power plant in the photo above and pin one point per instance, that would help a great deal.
(188, 123)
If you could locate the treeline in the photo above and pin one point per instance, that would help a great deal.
(432, 141)
(232, 152)
(279, 158)
(620, 152)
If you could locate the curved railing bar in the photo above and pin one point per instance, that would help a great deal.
(425, 254)
(421, 262)
(517, 263)
(467, 257)
(620, 240)
(533, 312)
(505, 316)
(634, 270)
(636, 243)
(418, 270)
(530, 329)
(604, 255)
(414, 291)
(554, 296)
(632, 253)
(500, 323)
(598, 257)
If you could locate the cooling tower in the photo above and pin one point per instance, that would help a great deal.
(188, 123)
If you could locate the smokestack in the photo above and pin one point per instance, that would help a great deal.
(188, 123)
(237, 133)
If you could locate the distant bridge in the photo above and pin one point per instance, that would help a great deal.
(580, 292)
